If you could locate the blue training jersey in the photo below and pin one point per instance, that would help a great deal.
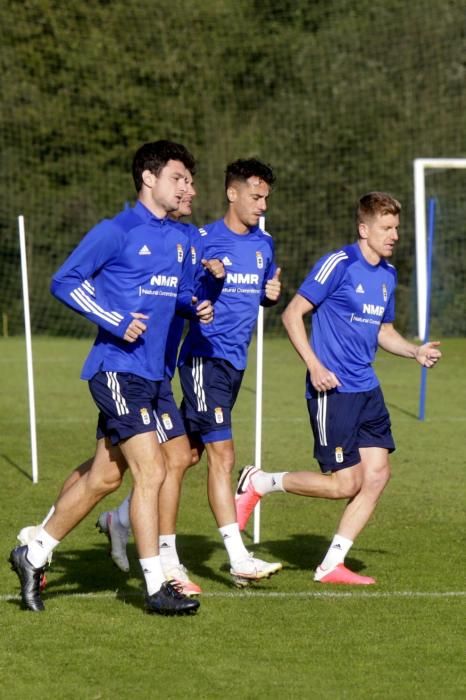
(177, 325)
(352, 299)
(249, 261)
(134, 262)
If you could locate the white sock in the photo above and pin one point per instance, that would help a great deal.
(48, 516)
(153, 574)
(40, 548)
(123, 513)
(336, 553)
(233, 542)
(168, 554)
(267, 482)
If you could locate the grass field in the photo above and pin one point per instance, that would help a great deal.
(287, 637)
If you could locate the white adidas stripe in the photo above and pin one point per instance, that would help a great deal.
(114, 386)
(322, 417)
(161, 434)
(88, 304)
(88, 287)
(329, 265)
(198, 382)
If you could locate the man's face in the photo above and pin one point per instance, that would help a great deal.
(248, 200)
(169, 186)
(185, 207)
(380, 233)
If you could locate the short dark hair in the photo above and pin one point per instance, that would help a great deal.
(244, 168)
(155, 155)
(374, 203)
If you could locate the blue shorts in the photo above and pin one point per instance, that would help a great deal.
(126, 403)
(167, 416)
(343, 423)
(210, 387)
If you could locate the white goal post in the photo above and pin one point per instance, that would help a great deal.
(420, 167)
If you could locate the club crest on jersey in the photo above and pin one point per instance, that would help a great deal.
(218, 414)
(384, 292)
(179, 252)
(193, 255)
(145, 416)
(339, 455)
(167, 421)
(259, 260)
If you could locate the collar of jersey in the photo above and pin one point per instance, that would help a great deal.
(363, 260)
(147, 216)
(252, 230)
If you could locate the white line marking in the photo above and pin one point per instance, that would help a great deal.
(266, 594)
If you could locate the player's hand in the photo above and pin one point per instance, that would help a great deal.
(215, 267)
(135, 328)
(273, 286)
(204, 310)
(323, 379)
(428, 354)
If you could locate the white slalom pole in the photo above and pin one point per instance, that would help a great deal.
(259, 382)
(27, 330)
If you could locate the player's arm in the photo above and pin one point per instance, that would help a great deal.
(187, 303)
(273, 288)
(293, 319)
(390, 340)
(72, 283)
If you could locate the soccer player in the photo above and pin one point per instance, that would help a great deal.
(351, 295)
(170, 431)
(171, 434)
(139, 264)
(213, 359)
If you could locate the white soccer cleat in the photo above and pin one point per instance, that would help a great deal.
(180, 575)
(29, 533)
(249, 569)
(110, 526)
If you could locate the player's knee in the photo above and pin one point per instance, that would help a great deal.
(223, 465)
(376, 479)
(149, 476)
(347, 483)
(178, 461)
(104, 485)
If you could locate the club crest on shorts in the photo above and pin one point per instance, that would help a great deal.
(167, 421)
(218, 414)
(193, 255)
(145, 416)
(339, 455)
(179, 252)
(384, 292)
(259, 260)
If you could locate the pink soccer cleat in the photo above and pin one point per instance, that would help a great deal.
(340, 574)
(180, 575)
(246, 497)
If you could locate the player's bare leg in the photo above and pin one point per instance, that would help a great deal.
(244, 567)
(178, 458)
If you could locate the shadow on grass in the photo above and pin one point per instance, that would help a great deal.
(394, 407)
(16, 466)
(304, 552)
(91, 571)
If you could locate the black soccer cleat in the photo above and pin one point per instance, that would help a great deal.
(29, 578)
(169, 600)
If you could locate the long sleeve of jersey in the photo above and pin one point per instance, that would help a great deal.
(71, 285)
(184, 301)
